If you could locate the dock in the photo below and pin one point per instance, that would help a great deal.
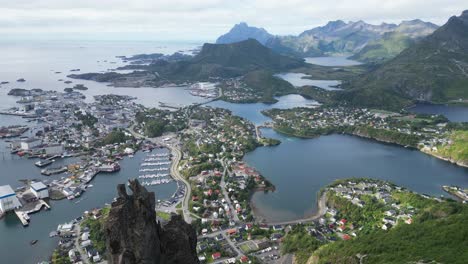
(166, 105)
(457, 192)
(18, 114)
(23, 213)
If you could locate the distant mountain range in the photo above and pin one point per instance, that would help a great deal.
(338, 37)
(434, 69)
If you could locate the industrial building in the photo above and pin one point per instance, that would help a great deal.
(8, 199)
(40, 190)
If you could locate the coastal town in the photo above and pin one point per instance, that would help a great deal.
(201, 149)
(430, 134)
(93, 137)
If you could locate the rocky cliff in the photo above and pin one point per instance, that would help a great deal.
(133, 235)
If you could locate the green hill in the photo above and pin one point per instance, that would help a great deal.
(389, 46)
(213, 61)
(434, 69)
(246, 55)
(393, 43)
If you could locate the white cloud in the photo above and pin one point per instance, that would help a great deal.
(204, 19)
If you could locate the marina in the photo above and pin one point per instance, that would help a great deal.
(152, 163)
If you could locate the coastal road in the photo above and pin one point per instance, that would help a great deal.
(322, 209)
(177, 155)
(84, 256)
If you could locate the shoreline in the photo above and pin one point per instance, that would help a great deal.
(430, 153)
(321, 210)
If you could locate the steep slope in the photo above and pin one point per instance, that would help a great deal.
(335, 37)
(241, 32)
(133, 235)
(394, 42)
(435, 69)
(248, 54)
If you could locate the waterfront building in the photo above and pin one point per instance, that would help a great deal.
(8, 199)
(30, 143)
(40, 190)
(54, 149)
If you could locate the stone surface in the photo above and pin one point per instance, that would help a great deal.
(134, 236)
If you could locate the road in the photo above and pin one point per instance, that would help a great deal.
(322, 209)
(177, 155)
(231, 243)
(84, 256)
(225, 193)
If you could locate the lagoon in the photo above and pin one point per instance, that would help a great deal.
(332, 61)
(298, 80)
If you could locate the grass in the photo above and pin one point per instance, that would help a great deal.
(163, 215)
(458, 150)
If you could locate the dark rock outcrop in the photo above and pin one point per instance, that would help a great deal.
(133, 235)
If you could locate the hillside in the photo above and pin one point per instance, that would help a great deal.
(337, 37)
(334, 37)
(393, 43)
(418, 228)
(435, 69)
(241, 32)
(246, 55)
(213, 61)
(437, 234)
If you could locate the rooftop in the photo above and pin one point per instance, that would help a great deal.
(38, 186)
(5, 191)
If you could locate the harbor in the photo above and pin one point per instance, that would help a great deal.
(159, 163)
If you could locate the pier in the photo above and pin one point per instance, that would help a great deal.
(18, 114)
(23, 213)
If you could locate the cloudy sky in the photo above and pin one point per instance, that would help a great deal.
(201, 19)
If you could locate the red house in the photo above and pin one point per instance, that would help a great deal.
(216, 255)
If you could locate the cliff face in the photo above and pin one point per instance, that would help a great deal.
(133, 235)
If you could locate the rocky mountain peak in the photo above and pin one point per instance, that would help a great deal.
(133, 235)
(242, 31)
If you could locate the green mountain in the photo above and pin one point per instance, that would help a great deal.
(245, 55)
(213, 61)
(394, 42)
(434, 69)
(334, 37)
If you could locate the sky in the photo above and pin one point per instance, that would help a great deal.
(205, 20)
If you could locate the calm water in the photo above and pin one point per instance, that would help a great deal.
(298, 80)
(332, 61)
(453, 113)
(253, 113)
(15, 236)
(38, 62)
(300, 167)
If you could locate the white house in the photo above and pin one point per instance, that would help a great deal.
(40, 190)
(8, 199)
(30, 143)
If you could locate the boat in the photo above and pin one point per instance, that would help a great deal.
(33, 242)
(58, 170)
(43, 163)
(113, 167)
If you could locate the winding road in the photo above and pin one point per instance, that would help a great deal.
(177, 155)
